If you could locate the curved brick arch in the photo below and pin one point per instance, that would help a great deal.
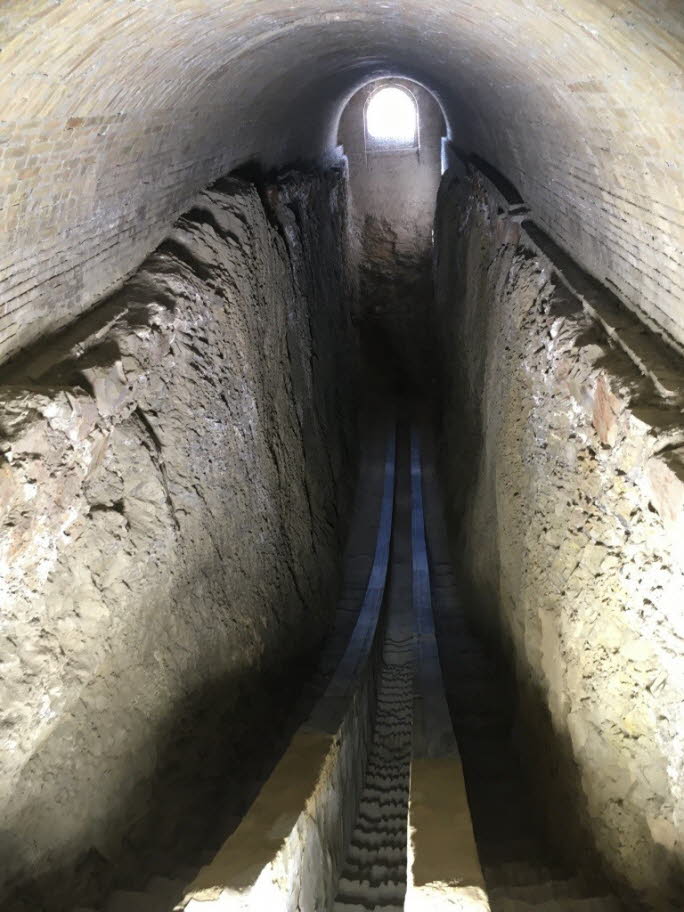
(115, 113)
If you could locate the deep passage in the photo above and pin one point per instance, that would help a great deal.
(341, 456)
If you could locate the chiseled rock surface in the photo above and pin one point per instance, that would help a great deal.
(567, 484)
(395, 262)
(174, 474)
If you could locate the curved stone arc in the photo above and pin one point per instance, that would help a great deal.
(285, 854)
(143, 103)
(385, 73)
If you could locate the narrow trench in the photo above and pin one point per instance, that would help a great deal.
(374, 872)
(520, 871)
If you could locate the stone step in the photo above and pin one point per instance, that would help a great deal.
(368, 892)
(364, 855)
(374, 841)
(375, 873)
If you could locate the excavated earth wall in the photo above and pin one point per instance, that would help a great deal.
(565, 467)
(175, 471)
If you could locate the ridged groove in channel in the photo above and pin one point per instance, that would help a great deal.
(374, 874)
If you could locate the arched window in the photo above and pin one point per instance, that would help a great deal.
(391, 120)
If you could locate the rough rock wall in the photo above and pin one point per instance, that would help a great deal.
(395, 286)
(174, 479)
(565, 468)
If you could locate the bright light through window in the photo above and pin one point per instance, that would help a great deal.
(391, 117)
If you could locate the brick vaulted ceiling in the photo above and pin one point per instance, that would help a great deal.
(114, 112)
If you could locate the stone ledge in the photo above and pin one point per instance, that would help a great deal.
(661, 365)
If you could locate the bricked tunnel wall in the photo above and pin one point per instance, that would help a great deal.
(115, 114)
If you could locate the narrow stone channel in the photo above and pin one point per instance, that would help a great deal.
(374, 876)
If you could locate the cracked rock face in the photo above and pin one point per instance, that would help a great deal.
(567, 485)
(174, 474)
